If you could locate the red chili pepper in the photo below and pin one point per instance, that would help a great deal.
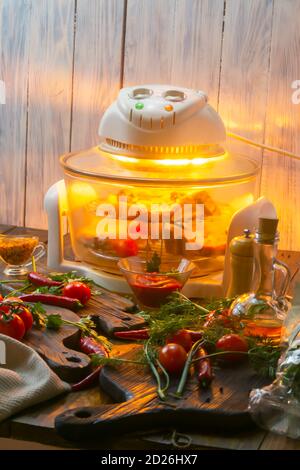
(51, 299)
(90, 346)
(144, 334)
(132, 334)
(204, 369)
(39, 279)
(87, 381)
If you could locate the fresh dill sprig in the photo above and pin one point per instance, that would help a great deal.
(98, 360)
(175, 315)
(213, 333)
(264, 356)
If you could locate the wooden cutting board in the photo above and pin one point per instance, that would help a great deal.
(221, 407)
(58, 347)
(110, 312)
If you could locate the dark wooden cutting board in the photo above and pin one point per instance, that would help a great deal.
(58, 347)
(221, 407)
(110, 312)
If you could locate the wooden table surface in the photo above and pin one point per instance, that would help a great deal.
(37, 423)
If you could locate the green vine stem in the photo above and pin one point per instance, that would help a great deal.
(220, 353)
(186, 368)
(165, 374)
(199, 307)
(16, 291)
(160, 391)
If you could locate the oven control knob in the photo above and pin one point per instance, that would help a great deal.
(140, 93)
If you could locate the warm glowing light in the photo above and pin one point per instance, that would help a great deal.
(170, 161)
(242, 201)
(230, 124)
(243, 125)
(62, 197)
(188, 161)
(82, 193)
(123, 158)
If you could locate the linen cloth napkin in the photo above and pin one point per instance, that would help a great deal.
(25, 378)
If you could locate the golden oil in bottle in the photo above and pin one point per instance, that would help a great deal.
(261, 313)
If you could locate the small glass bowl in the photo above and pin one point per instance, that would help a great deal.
(152, 289)
(16, 252)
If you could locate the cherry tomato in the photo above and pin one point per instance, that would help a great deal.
(172, 357)
(26, 316)
(12, 325)
(1, 298)
(182, 337)
(6, 308)
(232, 342)
(125, 248)
(77, 290)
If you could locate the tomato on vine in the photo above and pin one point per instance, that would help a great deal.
(181, 337)
(12, 325)
(235, 343)
(172, 357)
(77, 290)
(24, 313)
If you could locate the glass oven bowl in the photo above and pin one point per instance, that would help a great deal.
(96, 182)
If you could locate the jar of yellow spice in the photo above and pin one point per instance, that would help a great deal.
(16, 251)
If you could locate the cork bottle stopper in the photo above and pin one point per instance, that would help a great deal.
(243, 245)
(267, 229)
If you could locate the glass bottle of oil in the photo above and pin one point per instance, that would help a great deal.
(261, 313)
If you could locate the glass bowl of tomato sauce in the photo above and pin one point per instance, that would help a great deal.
(153, 288)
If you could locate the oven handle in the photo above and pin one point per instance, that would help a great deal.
(56, 208)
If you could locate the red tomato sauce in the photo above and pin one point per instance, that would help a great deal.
(153, 290)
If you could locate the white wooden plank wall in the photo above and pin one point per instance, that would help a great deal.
(244, 70)
(14, 53)
(281, 175)
(97, 66)
(174, 41)
(49, 97)
(63, 62)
